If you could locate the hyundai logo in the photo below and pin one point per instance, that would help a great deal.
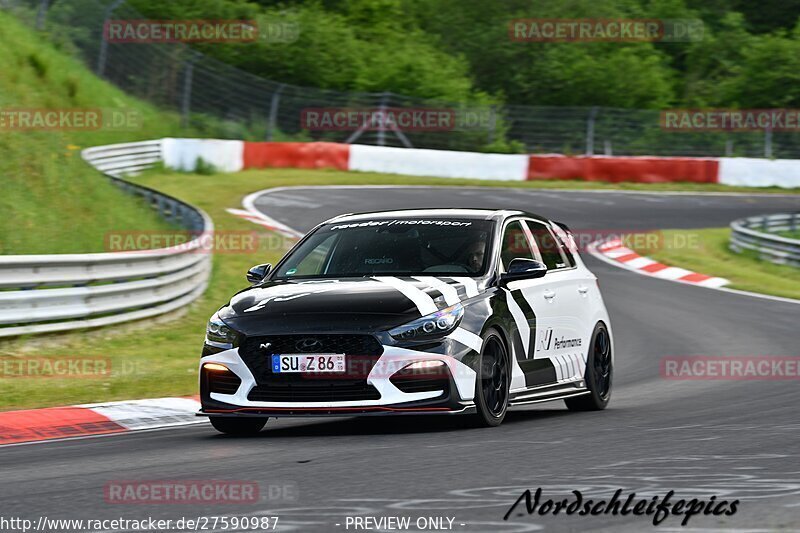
(309, 344)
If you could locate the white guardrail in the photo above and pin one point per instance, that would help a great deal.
(47, 293)
(758, 234)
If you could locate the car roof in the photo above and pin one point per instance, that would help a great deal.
(481, 214)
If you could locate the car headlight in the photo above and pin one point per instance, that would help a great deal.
(218, 332)
(431, 326)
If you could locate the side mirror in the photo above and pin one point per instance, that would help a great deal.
(521, 268)
(258, 272)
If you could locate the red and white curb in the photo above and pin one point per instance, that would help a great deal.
(96, 419)
(267, 222)
(615, 252)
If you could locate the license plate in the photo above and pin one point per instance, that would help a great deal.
(307, 363)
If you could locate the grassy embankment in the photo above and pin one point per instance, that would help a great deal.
(52, 202)
(706, 251)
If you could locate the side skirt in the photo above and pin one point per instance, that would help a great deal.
(548, 393)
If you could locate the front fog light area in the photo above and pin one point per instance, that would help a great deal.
(423, 376)
(215, 377)
(433, 326)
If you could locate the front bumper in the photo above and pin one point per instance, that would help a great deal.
(456, 399)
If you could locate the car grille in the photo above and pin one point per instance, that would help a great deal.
(331, 392)
(362, 352)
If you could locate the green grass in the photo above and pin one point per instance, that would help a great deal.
(706, 251)
(52, 202)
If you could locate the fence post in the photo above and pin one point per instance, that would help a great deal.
(381, 129)
(729, 148)
(186, 98)
(101, 58)
(492, 123)
(768, 143)
(273, 111)
(590, 131)
(41, 14)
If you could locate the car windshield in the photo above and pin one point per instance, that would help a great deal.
(387, 247)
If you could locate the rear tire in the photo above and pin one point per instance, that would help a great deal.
(492, 382)
(599, 374)
(237, 426)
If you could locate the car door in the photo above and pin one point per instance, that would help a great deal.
(531, 366)
(558, 304)
(586, 293)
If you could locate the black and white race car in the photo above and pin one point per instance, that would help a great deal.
(420, 311)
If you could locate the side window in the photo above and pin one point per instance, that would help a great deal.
(549, 247)
(314, 263)
(515, 244)
(567, 244)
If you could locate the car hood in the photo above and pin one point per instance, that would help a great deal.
(353, 304)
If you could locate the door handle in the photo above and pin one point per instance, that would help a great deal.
(548, 294)
(583, 290)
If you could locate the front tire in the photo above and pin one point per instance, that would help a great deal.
(238, 426)
(598, 376)
(492, 382)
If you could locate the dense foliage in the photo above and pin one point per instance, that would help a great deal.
(460, 50)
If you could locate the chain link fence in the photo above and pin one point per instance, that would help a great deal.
(216, 97)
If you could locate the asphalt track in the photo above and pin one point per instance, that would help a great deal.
(730, 439)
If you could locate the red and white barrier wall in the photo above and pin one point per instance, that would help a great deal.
(233, 156)
(182, 154)
(752, 172)
(619, 169)
(440, 163)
